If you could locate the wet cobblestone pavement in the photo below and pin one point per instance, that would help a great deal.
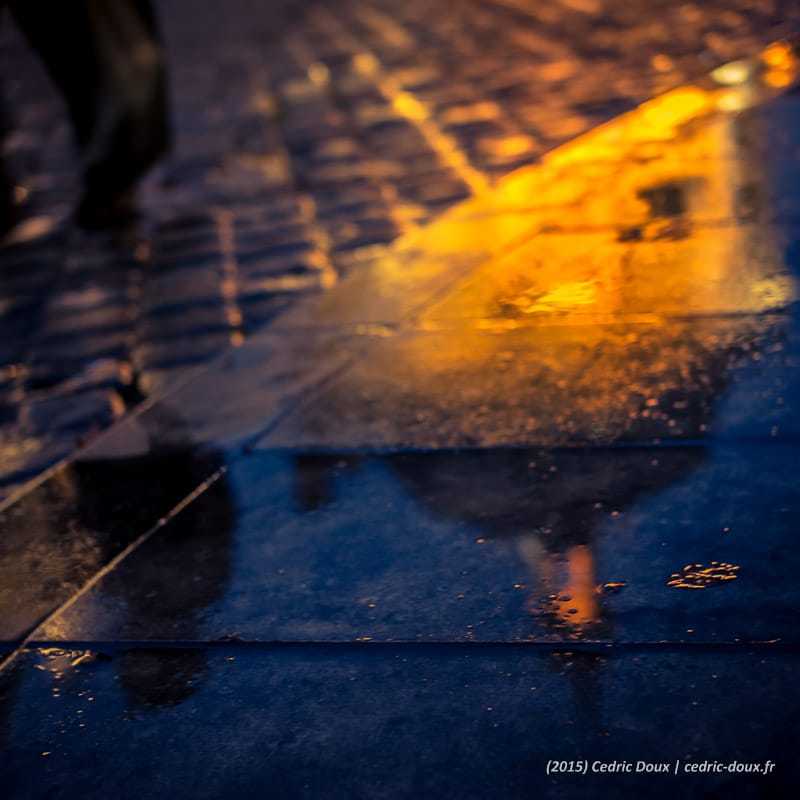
(307, 140)
(498, 466)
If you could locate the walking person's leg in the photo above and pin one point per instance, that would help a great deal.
(107, 61)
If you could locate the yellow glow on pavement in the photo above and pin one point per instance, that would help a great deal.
(780, 56)
(617, 270)
(733, 73)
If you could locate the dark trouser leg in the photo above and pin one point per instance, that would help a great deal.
(106, 59)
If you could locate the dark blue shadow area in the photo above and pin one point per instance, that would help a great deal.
(375, 724)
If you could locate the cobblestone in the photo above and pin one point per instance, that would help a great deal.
(180, 351)
(74, 412)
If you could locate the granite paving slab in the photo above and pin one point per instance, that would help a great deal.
(641, 544)
(69, 527)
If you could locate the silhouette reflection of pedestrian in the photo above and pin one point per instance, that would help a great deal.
(107, 61)
(549, 503)
(166, 588)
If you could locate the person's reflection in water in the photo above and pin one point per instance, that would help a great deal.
(153, 678)
(161, 591)
(199, 540)
(313, 478)
(575, 599)
(584, 672)
(187, 568)
(164, 588)
(548, 503)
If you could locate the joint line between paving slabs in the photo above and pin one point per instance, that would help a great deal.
(437, 645)
(181, 381)
(310, 395)
(112, 564)
(147, 535)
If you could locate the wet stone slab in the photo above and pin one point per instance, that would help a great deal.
(560, 382)
(383, 723)
(60, 533)
(678, 544)
(231, 403)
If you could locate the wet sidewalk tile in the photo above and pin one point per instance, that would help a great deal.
(643, 544)
(552, 384)
(62, 532)
(386, 723)
(241, 395)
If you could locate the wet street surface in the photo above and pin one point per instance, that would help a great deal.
(306, 142)
(520, 487)
(401, 722)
